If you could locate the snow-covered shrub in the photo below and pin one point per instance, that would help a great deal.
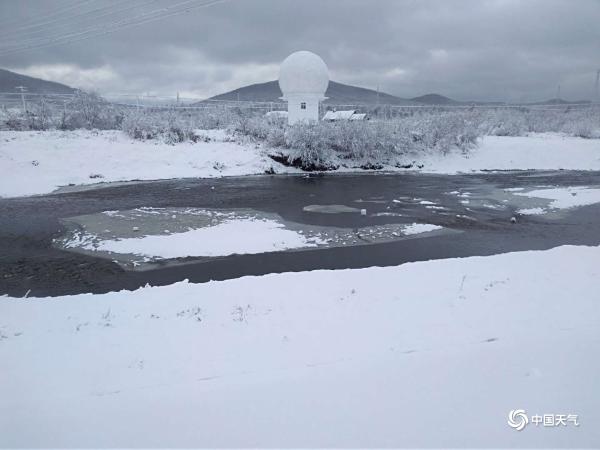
(139, 125)
(167, 125)
(443, 130)
(40, 116)
(310, 146)
(506, 122)
(89, 110)
(583, 123)
(574, 121)
(16, 121)
(367, 144)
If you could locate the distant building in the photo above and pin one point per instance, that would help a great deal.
(277, 114)
(334, 116)
(303, 79)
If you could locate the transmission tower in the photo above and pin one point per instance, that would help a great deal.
(22, 89)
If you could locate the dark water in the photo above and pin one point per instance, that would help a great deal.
(29, 262)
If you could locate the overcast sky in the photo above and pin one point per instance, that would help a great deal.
(507, 50)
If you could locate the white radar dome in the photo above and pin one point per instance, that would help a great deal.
(303, 73)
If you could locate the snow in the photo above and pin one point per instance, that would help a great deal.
(566, 197)
(417, 228)
(427, 354)
(167, 233)
(542, 151)
(227, 238)
(531, 211)
(41, 162)
(351, 114)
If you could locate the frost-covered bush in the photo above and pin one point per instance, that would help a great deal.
(583, 123)
(16, 121)
(311, 145)
(83, 110)
(392, 132)
(579, 122)
(166, 125)
(89, 110)
(178, 124)
(506, 122)
(367, 144)
(444, 131)
(40, 116)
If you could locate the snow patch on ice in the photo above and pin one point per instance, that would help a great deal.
(566, 197)
(240, 236)
(531, 211)
(417, 228)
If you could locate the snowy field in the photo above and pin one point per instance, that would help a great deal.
(40, 162)
(367, 357)
(542, 151)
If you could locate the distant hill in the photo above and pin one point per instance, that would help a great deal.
(435, 99)
(337, 93)
(559, 101)
(10, 80)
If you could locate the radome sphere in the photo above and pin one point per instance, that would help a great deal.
(303, 72)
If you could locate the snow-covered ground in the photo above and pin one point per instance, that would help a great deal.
(425, 354)
(542, 151)
(40, 162)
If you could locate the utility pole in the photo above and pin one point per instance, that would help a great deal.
(23, 89)
(558, 92)
(177, 98)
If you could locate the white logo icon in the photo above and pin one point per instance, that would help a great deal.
(517, 418)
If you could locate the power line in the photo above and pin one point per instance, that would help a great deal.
(105, 11)
(104, 29)
(69, 4)
(40, 19)
(67, 22)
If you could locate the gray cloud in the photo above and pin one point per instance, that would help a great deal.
(471, 49)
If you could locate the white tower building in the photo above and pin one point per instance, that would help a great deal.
(303, 79)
